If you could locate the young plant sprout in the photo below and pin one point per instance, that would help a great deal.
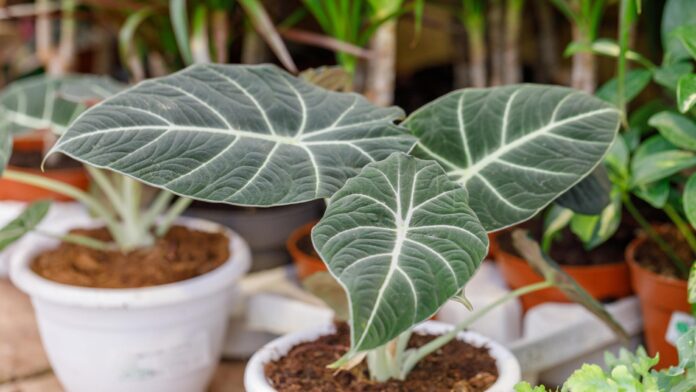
(402, 233)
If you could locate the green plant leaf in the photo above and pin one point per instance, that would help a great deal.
(678, 129)
(686, 92)
(509, 146)
(689, 200)
(655, 193)
(594, 230)
(555, 220)
(126, 34)
(692, 283)
(88, 89)
(687, 35)
(265, 27)
(179, 18)
(30, 217)
(402, 239)
(669, 75)
(589, 196)
(636, 81)
(245, 135)
(526, 387)
(656, 159)
(35, 103)
(677, 13)
(617, 161)
(5, 148)
(552, 272)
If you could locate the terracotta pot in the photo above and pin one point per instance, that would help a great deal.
(603, 282)
(305, 263)
(660, 296)
(17, 191)
(12, 190)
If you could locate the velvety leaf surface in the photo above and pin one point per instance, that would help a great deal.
(27, 220)
(402, 240)
(514, 148)
(246, 135)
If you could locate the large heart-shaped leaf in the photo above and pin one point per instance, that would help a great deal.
(515, 148)
(39, 102)
(402, 240)
(590, 196)
(246, 135)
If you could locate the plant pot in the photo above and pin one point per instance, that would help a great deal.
(267, 246)
(603, 282)
(161, 338)
(660, 297)
(306, 263)
(255, 379)
(17, 191)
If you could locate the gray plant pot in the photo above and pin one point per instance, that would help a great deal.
(265, 229)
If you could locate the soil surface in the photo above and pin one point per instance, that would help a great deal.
(33, 159)
(181, 254)
(458, 367)
(568, 250)
(651, 257)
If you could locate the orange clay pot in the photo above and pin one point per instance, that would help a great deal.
(603, 282)
(16, 191)
(305, 264)
(659, 296)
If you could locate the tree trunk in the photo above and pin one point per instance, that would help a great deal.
(381, 72)
(513, 14)
(495, 23)
(582, 76)
(547, 70)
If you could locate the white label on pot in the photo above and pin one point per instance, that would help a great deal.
(678, 325)
(172, 357)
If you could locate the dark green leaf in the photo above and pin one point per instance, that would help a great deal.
(669, 75)
(655, 167)
(689, 200)
(655, 193)
(678, 129)
(594, 230)
(686, 92)
(589, 196)
(677, 13)
(32, 215)
(636, 81)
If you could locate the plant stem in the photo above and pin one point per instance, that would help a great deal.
(381, 73)
(174, 211)
(416, 356)
(157, 207)
(625, 17)
(582, 76)
(654, 236)
(683, 227)
(70, 191)
(105, 186)
(80, 240)
(511, 54)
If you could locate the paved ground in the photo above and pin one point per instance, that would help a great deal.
(23, 364)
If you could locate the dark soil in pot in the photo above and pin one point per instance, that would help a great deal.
(652, 258)
(458, 366)
(181, 254)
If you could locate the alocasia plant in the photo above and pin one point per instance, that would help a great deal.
(402, 234)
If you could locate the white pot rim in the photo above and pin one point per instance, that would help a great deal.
(255, 380)
(133, 298)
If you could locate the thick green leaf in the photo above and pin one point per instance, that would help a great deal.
(617, 161)
(590, 195)
(402, 239)
(687, 35)
(689, 200)
(514, 148)
(686, 92)
(655, 167)
(551, 271)
(179, 18)
(246, 135)
(594, 230)
(555, 220)
(677, 13)
(678, 129)
(35, 103)
(32, 215)
(692, 283)
(669, 75)
(636, 81)
(655, 193)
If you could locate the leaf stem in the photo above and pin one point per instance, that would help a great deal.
(653, 235)
(681, 224)
(70, 191)
(416, 356)
(80, 240)
(174, 211)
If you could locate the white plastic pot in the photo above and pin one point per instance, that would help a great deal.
(164, 338)
(255, 379)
